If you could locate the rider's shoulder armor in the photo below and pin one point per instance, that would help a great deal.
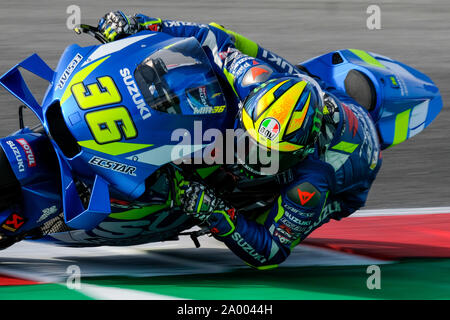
(354, 149)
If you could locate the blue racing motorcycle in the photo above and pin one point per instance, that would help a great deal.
(99, 169)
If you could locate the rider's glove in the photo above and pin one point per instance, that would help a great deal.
(201, 203)
(116, 25)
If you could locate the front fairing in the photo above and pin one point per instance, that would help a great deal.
(145, 133)
(145, 136)
(139, 155)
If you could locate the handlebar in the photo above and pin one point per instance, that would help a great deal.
(92, 31)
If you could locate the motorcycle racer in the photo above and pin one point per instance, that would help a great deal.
(327, 145)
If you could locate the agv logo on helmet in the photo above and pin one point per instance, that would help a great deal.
(269, 128)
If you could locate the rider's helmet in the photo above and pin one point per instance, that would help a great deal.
(281, 120)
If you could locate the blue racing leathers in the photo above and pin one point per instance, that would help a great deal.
(330, 183)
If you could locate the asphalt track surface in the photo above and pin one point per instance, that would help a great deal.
(335, 262)
(414, 174)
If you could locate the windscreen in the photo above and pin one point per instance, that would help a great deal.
(179, 79)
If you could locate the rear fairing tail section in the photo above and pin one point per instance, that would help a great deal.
(407, 101)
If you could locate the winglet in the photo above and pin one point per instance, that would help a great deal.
(98, 209)
(15, 84)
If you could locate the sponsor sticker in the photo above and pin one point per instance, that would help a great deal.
(174, 23)
(283, 64)
(285, 234)
(305, 195)
(113, 165)
(14, 222)
(48, 212)
(31, 160)
(19, 159)
(136, 96)
(70, 67)
(327, 211)
(247, 247)
(269, 128)
(200, 104)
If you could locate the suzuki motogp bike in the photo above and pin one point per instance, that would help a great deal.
(99, 170)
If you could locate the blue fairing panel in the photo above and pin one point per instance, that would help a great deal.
(15, 84)
(29, 156)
